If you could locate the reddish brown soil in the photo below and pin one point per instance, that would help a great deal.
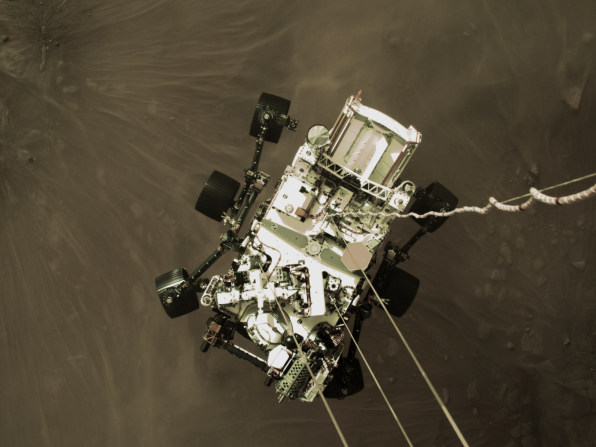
(105, 147)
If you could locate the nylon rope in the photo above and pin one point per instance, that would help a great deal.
(430, 385)
(536, 195)
(374, 377)
(304, 359)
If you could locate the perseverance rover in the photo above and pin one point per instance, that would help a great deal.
(300, 267)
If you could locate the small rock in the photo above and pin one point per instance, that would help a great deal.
(530, 182)
(466, 34)
(537, 265)
(580, 265)
(475, 411)
(488, 290)
(534, 169)
(4, 38)
(391, 379)
(506, 252)
(567, 342)
(59, 80)
(60, 64)
(580, 224)
(495, 275)
(529, 441)
(572, 97)
(554, 242)
(530, 316)
(70, 89)
(587, 38)
(473, 393)
(172, 118)
(541, 281)
(57, 43)
(527, 329)
(526, 429)
(445, 396)
(516, 432)
(502, 294)
(446, 357)
(510, 346)
(30, 159)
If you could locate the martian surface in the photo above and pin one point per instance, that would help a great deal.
(113, 115)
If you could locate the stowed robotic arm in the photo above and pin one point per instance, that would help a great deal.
(294, 284)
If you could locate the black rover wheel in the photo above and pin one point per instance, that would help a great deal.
(400, 289)
(175, 305)
(347, 380)
(437, 198)
(217, 196)
(275, 102)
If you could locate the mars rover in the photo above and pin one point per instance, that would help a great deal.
(299, 273)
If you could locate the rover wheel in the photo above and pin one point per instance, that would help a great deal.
(175, 305)
(347, 380)
(437, 197)
(400, 288)
(217, 196)
(275, 102)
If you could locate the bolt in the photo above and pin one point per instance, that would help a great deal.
(169, 300)
(307, 152)
(285, 196)
(299, 321)
(266, 116)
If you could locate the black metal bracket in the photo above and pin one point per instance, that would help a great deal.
(220, 333)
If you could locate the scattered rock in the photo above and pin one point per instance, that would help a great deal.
(529, 181)
(391, 379)
(572, 97)
(501, 295)
(516, 432)
(530, 316)
(534, 170)
(42, 66)
(14, 201)
(506, 252)
(527, 329)
(510, 346)
(541, 281)
(4, 38)
(520, 244)
(529, 441)
(172, 118)
(475, 411)
(488, 290)
(60, 64)
(567, 342)
(537, 265)
(59, 80)
(554, 242)
(473, 393)
(445, 396)
(446, 357)
(526, 429)
(513, 399)
(587, 38)
(495, 275)
(580, 265)
(580, 224)
(503, 391)
(70, 89)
